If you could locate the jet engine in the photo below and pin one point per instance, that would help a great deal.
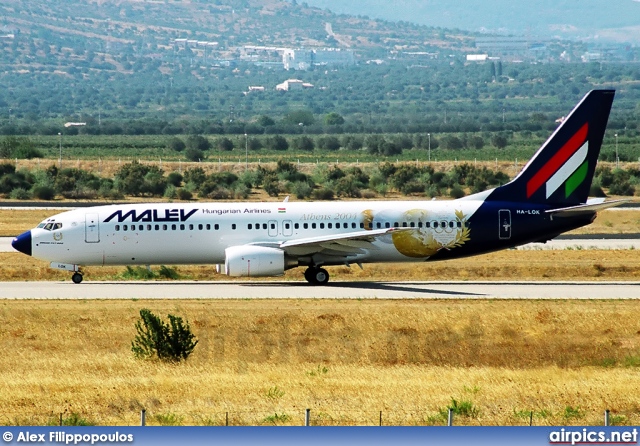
(253, 261)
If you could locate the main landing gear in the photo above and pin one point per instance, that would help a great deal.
(77, 277)
(316, 276)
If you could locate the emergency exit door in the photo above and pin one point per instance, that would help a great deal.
(504, 220)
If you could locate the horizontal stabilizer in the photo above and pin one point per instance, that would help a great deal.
(585, 208)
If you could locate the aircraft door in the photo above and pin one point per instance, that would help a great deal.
(273, 228)
(504, 222)
(91, 228)
(287, 228)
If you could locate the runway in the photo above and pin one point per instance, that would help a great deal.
(335, 290)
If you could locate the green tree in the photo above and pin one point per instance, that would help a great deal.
(333, 118)
(176, 144)
(224, 144)
(303, 143)
(198, 142)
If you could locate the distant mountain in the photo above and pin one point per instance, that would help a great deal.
(589, 20)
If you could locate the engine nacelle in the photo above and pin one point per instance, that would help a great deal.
(253, 261)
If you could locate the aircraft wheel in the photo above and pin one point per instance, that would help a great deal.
(76, 278)
(320, 276)
(308, 274)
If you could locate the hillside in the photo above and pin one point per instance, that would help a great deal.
(585, 20)
(134, 25)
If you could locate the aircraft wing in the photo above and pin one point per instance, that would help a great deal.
(589, 207)
(350, 243)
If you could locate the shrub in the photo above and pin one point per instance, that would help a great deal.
(20, 194)
(172, 342)
(323, 194)
(184, 194)
(175, 178)
(456, 192)
(44, 192)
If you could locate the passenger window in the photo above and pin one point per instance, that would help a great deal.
(208, 227)
(117, 227)
(200, 227)
(125, 227)
(313, 225)
(337, 225)
(451, 224)
(459, 224)
(404, 224)
(157, 227)
(435, 224)
(273, 225)
(378, 225)
(216, 226)
(174, 227)
(330, 226)
(419, 224)
(249, 226)
(182, 227)
(353, 225)
(362, 225)
(287, 226)
(412, 224)
(387, 224)
(233, 226)
(164, 227)
(257, 225)
(264, 226)
(443, 224)
(395, 224)
(296, 225)
(321, 225)
(190, 227)
(306, 225)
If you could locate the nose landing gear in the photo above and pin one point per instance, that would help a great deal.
(316, 276)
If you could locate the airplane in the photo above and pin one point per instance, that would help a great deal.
(548, 197)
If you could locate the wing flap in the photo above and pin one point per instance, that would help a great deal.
(350, 243)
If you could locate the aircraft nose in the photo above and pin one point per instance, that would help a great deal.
(22, 243)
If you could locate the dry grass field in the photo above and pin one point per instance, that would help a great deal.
(265, 361)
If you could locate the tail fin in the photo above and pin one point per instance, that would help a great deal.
(561, 171)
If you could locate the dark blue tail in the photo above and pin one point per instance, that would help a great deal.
(561, 171)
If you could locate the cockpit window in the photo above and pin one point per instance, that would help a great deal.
(50, 226)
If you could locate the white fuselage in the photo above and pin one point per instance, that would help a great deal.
(199, 233)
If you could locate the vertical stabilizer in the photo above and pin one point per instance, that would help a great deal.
(561, 171)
